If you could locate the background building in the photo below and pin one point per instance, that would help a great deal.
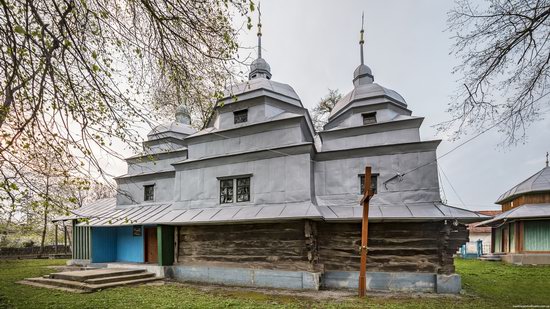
(521, 233)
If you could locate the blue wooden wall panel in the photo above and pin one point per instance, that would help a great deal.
(129, 247)
(104, 244)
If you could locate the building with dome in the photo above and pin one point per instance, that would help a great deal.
(259, 198)
(521, 233)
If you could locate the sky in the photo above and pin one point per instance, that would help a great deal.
(314, 46)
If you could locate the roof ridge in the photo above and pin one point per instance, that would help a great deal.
(507, 194)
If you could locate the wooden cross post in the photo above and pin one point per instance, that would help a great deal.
(365, 232)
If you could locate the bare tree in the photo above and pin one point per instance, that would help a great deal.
(76, 75)
(504, 46)
(89, 191)
(321, 112)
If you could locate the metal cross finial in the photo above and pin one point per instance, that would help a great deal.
(259, 32)
(362, 40)
(547, 159)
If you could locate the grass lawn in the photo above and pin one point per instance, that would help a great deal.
(486, 285)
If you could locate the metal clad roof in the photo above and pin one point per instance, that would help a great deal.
(96, 208)
(417, 211)
(520, 212)
(167, 216)
(164, 213)
(247, 213)
(538, 182)
(365, 92)
(206, 214)
(226, 214)
(271, 211)
(262, 84)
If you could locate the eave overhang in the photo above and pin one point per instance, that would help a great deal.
(374, 128)
(378, 150)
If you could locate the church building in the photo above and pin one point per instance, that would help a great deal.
(259, 198)
(521, 233)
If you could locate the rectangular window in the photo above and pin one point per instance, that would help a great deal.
(226, 191)
(369, 118)
(234, 190)
(373, 183)
(149, 193)
(240, 116)
(243, 189)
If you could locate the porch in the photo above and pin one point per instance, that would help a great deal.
(128, 244)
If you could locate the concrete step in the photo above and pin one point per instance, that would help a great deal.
(68, 284)
(490, 258)
(83, 275)
(47, 286)
(96, 287)
(82, 287)
(120, 278)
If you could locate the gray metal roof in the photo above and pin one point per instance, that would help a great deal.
(365, 92)
(403, 212)
(522, 212)
(105, 213)
(258, 84)
(217, 131)
(536, 183)
(96, 208)
(167, 214)
(174, 126)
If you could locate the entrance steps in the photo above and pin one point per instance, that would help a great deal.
(490, 257)
(86, 281)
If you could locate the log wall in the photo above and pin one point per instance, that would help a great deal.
(317, 246)
(393, 247)
(285, 245)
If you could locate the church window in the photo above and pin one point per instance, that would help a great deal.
(149, 193)
(243, 189)
(373, 183)
(369, 118)
(234, 190)
(240, 116)
(226, 191)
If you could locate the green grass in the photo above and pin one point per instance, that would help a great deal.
(486, 285)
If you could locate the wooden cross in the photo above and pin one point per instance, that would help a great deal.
(368, 193)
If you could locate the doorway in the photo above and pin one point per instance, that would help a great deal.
(151, 245)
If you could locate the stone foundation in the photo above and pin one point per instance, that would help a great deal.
(394, 281)
(527, 258)
(302, 280)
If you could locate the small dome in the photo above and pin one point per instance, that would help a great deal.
(167, 128)
(362, 75)
(362, 70)
(255, 88)
(259, 68)
(182, 115)
(365, 92)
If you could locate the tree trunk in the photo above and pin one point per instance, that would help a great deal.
(45, 228)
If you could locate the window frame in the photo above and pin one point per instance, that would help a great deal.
(224, 191)
(240, 113)
(242, 186)
(234, 180)
(371, 115)
(362, 183)
(145, 195)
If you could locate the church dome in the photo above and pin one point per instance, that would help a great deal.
(181, 125)
(362, 70)
(365, 92)
(259, 68)
(172, 127)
